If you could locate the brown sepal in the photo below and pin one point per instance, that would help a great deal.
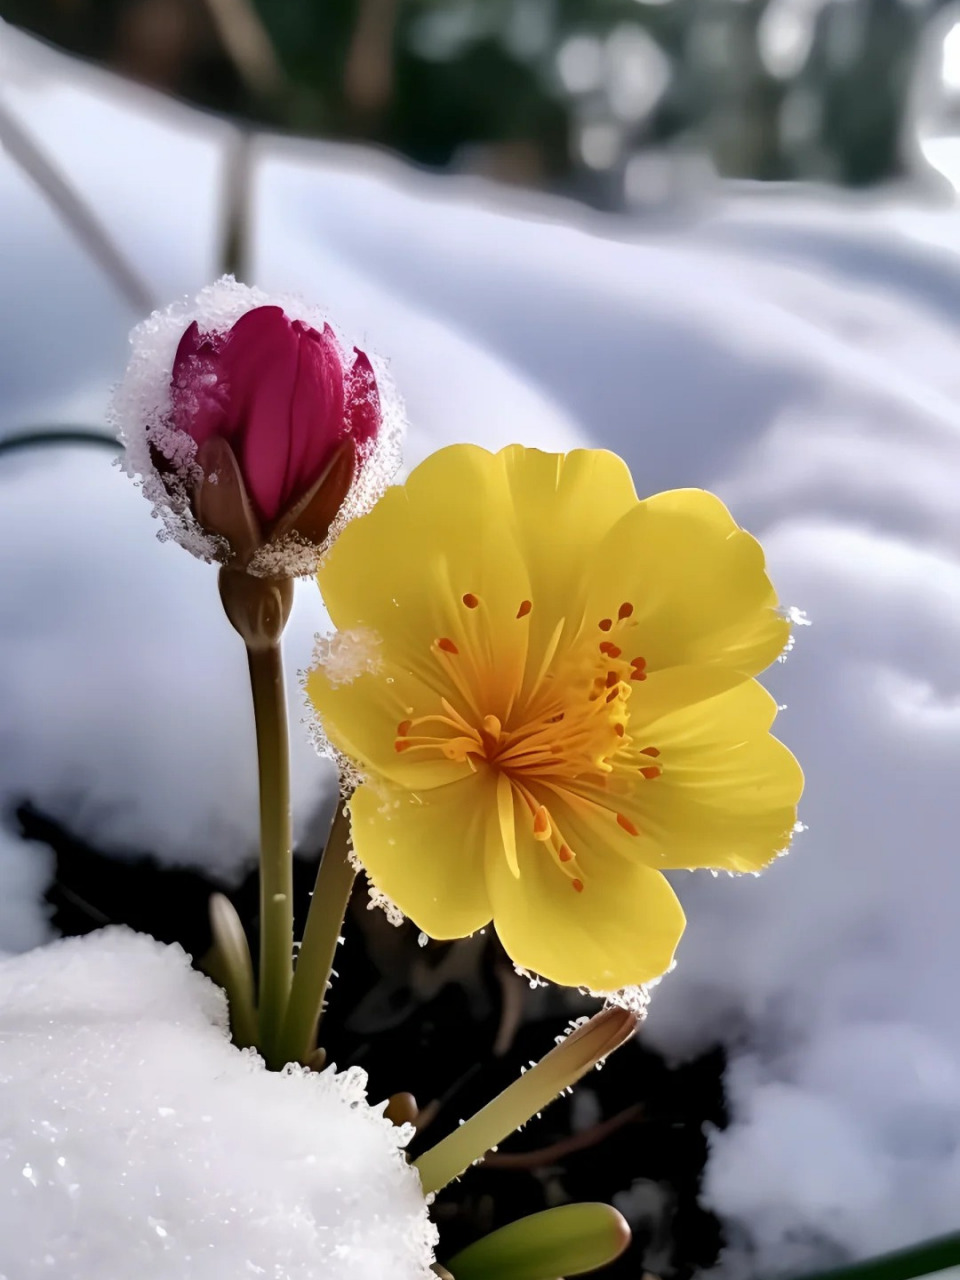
(311, 517)
(221, 503)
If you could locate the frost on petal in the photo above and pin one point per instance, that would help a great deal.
(345, 655)
(132, 1130)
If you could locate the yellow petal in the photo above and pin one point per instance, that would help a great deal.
(727, 796)
(621, 930)
(697, 584)
(426, 852)
(361, 718)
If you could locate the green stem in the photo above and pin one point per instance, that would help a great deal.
(919, 1260)
(276, 858)
(328, 906)
(538, 1087)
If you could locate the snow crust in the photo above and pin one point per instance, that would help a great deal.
(136, 1141)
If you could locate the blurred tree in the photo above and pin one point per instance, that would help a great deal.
(604, 98)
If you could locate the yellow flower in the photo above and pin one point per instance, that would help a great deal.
(561, 707)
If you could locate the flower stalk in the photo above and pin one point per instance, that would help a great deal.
(560, 1068)
(276, 857)
(328, 906)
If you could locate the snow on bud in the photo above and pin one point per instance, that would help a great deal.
(256, 430)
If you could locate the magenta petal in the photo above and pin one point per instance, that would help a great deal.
(260, 357)
(316, 420)
(363, 415)
(198, 392)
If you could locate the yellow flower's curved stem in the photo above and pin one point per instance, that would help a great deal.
(538, 1087)
(328, 907)
(276, 858)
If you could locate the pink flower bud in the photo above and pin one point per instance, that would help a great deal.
(280, 394)
(255, 430)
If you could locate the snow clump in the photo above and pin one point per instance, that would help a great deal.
(136, 1141)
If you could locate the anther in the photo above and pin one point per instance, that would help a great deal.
(650, 751)
(626, 609)
(447, 645)
(564, 854)
(638, 662)
(403, 728)
(619, 730)
(612, 679)
(577, 885)
(613, 695)
(470, 600)
(401, 744)
(525, 607)
(610, 649)
(627, 825)
(651, 771)
(541, 824)
(606, 624)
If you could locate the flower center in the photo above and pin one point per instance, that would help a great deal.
(559, 731)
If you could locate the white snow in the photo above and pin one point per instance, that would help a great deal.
(795, 353)
(136, 1141)
(25, 871)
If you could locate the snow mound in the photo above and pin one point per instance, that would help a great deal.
(136, 1141)
(25, 871)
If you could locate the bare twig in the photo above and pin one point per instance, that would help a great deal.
(557, 1151)
(247, 44)
(75, 212)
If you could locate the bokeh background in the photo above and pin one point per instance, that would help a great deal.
(718, 236)
(617, 102)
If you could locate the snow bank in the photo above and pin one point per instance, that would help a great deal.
(136, 1141)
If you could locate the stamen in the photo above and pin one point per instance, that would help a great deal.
(650, 751)
(402, 744)
(606, 624)
(403, 728)
(613, 695)
(470, 600)
(638, 662)
(492, 726)
(447, 645)
(612, 679)
(564, 854)
(626, 609)
(610, 649)
(525, 607)
(577, 885)
(636, 674)
(542, 829)
(627, 825)
(619, 730)
(652, 771)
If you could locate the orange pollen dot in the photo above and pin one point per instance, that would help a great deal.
(401, 744)
(652, 771)
(638, 662)
(577, 885)
(627, 825)
(637, 674)
(626, 609)
(470, 600)
(610, 649)
(618, 729)
(541, 824)
(612, 679)
(404, 727)
(606, 624)
(564, 854)
(447, 645)
(525, 607)
(650, 751)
